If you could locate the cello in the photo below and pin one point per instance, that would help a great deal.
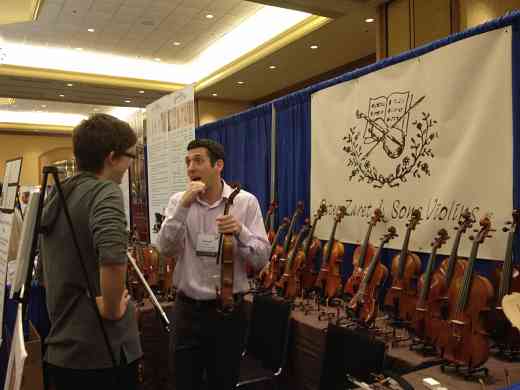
(363, 305)
(290, 280)
(506, 280)
(270, 272)
(226, 259)
(428, 282)
(268, 222)
(311, 247)
(329, 278)
(362, 255)
(405, 267)
(463, 341)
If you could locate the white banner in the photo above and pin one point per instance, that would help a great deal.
(6, 221)
(170, 127)
(433, 133)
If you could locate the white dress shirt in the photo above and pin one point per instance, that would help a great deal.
(197, 276)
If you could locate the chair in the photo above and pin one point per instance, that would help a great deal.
(350, 352)
(265, 353)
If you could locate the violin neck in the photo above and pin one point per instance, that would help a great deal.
(428, 275)
(468, 276)
(453, 258)
(404, 252)
(507, 270)
(365, 246)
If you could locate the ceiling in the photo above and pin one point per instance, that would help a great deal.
(137, 28)
(148, 28)
(340, 42)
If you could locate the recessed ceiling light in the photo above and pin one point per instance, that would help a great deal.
(157, 59)
(70, 85)
(272, 67)
(91, 30)
(240, 82)
(96, 109)
(314, 47)
(43, 106)
(128, 101)
(369, 20)
(214, 94)
(62, 95)
(79, 48)
(209, 16)
(141, 92)
(176, 43)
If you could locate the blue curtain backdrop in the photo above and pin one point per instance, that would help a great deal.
(293, 133)
(247, 141)
(293, 154)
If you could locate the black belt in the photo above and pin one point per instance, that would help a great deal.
(238, 298)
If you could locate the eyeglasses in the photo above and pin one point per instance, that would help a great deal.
(130, 155)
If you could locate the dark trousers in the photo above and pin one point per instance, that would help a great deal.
(208, 344)
(123, 377)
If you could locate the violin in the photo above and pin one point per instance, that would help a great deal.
(290, 280)
(289, 242)
(226, 259)
(405, 268)
(311, 247)
(363, 305)
(269, 221)
(506, 280)
(329, 278)
(443, 277)
(428, 282)
(269, 274)
(362, 255)
(463, 341)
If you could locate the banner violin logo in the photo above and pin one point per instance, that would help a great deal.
(384, 132)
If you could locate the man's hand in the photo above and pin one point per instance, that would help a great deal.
(123, 305)
(228, 224)
(194, 189)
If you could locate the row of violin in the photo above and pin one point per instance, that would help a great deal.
(156, 269)
(451, 306)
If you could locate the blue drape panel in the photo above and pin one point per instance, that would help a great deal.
(247, 141)
(293, 153)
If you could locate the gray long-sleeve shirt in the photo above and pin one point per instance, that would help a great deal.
(75, 339)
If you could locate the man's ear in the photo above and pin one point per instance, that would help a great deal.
(110, 159)
(220, 164)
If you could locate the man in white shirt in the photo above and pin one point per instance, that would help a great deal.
(205, 340)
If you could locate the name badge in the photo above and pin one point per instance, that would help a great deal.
(207, 245)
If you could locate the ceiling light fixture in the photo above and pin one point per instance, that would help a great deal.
(272, 67)
(62, 95)
(79, 48)
(128, 101)
(240, 82)
(141, 92)
(369, 20)
(314, 47)
(44, 106)
(214, 94)
(91, 30)
(70, 85)
(209, 16)
(96, 109)
(176, 43)
(157, 59)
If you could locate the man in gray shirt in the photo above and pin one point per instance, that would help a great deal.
(76, 355)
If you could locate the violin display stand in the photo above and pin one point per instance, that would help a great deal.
(468, 373)
(509, 352)
(421, 346)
